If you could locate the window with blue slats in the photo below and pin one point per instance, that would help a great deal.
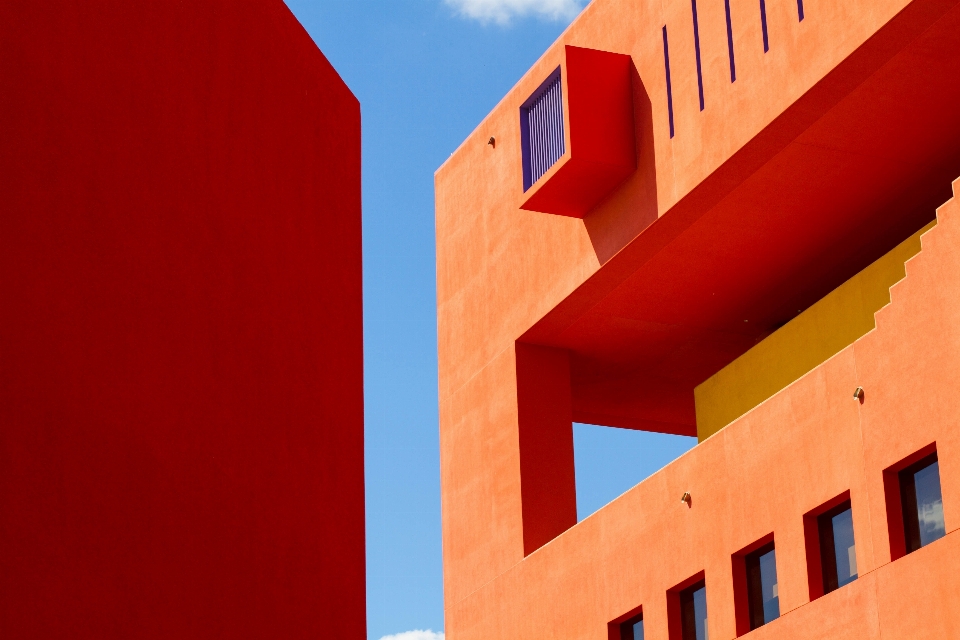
(541, 127)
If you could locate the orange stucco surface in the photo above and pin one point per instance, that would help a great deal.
(752, 479)
(827, 151)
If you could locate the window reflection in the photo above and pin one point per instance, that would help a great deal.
(838, 548)
(632, 629)
(693, 609)
(763, 592)
(844, 547)
(922, 503)
(770, 588)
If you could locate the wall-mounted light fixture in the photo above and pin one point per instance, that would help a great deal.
(687, 499)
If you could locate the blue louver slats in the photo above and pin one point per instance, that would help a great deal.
(541, 121)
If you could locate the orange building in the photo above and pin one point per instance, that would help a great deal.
(722, 218)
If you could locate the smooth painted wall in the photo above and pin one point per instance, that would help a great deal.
(181, 427)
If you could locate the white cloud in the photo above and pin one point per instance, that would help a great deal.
(415, 635)
(502, 11)
(931, 516)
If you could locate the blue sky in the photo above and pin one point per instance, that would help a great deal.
(426, 72)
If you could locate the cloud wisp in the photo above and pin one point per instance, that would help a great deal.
(417, 634)
(502, 11)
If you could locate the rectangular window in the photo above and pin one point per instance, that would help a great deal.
(687, 609)
(762, 588)
(914, 502)
(831, 546)
(541, 130)
(627, 627)
(756, 590)
(632, 629)
(922, 503)
(838, 551)
(693, 612)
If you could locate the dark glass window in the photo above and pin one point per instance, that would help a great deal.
(632, 629)
(541, 130)
(762, 589)
(838, 549)
(693, 612)
(922, 503)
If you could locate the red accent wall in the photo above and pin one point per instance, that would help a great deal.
(181, 403)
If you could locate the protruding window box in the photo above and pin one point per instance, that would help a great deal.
(577, 133)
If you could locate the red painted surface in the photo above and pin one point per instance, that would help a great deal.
(826, 152)
(545, 431)
(599, 132)
(181, 449)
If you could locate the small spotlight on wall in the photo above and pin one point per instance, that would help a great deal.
(687, 499)
(492, 142)
(858, 394)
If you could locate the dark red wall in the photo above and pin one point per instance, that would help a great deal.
(181, 403)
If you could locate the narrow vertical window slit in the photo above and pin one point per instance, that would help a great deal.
(666, 64)
(763, 25)
(733, 65)
(696, 45)
(800, 9)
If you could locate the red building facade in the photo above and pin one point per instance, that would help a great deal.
(727, 219)
(181, 404)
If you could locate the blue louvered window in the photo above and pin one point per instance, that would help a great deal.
(541, 129)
